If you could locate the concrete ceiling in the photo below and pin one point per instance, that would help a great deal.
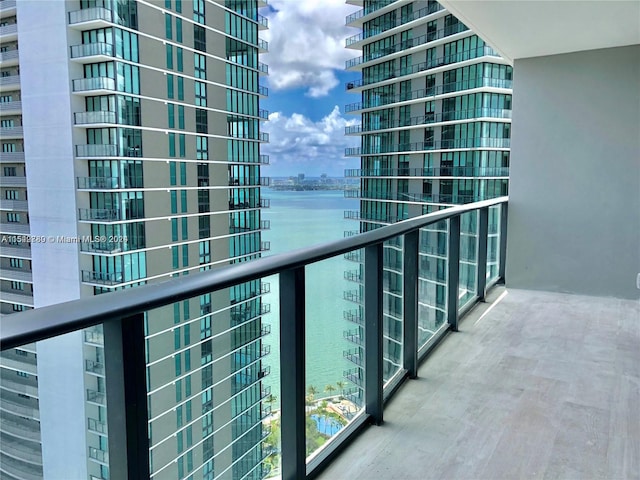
(524, 28)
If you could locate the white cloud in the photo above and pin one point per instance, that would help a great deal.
(306, 38)
(299, 145)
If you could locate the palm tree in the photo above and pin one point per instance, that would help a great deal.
(270, 400)
(330, 389)
(312, 391)
(341, 385)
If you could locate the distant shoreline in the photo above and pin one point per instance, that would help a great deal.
(301, 188)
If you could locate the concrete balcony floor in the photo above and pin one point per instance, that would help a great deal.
(539, 385)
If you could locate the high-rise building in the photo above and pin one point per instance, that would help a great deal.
(131, 153)
(436, 122)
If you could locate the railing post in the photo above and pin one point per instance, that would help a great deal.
(483, 238)
(126, 384)
(292, 374)
(503, 241)
(410, 302)
(373, 362)
(453, 277)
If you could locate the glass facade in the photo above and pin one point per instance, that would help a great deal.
(423, 149)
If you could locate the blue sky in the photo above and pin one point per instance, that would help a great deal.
(306, 87)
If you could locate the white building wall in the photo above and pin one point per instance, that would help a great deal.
(47, 117)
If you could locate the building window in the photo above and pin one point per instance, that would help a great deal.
(7, 124)
(168, 31)
(200, 66)
(180, 59)
(11, 194)
(172, 144)
(169, 86)
(8, 147)
(6, 99)
(198, 11)
(201, 94)
(16, 262)
(179, 30)
(181, 117)
(182, 146)
(199, 38)
(9, 171)
(17, 286)
(19, 308)
(202, 148)
(13, 217)
(180, 88)
(201, 121)
(169, 56)
(171, 115)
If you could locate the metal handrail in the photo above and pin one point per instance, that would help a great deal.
(42, 323)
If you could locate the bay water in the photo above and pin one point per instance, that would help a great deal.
(301, 219)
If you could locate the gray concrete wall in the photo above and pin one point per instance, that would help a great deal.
(574, 209)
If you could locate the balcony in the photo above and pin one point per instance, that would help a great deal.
(100, 214)
(430, 118)
(89, 18)
(354, 40)
(476, 53)
(9, 32)
(536, 377)
(263, 22)
(451, 171)
(108, 183)
(419, 95)
(10, 108)
(263, 46)
(94, 86)
(103, 117)
(92, 52)
(14, 205)
(8, 7)
(402, 46)
(12, 157)
(11, 132)
(10, 58)
(450, 144)
(9, 83)
(356, 17)
(106, 150)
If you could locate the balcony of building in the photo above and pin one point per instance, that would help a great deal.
(11, 108)
(8, 8)
(523, 362)
(432, 172)
(9, 58)
(356, 41)
(92, 52)
(94, 86)
(7, 133)
(357, 18)
(401, 48)
(488, 84)
(14, 205)
(8, 32)
(430, 119)
(95, 119)
(10, 83)
(430, 145)
(91, 18)
(405, 73)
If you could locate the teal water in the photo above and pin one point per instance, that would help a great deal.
(301, 219)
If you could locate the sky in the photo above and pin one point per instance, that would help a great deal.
(307, 88)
